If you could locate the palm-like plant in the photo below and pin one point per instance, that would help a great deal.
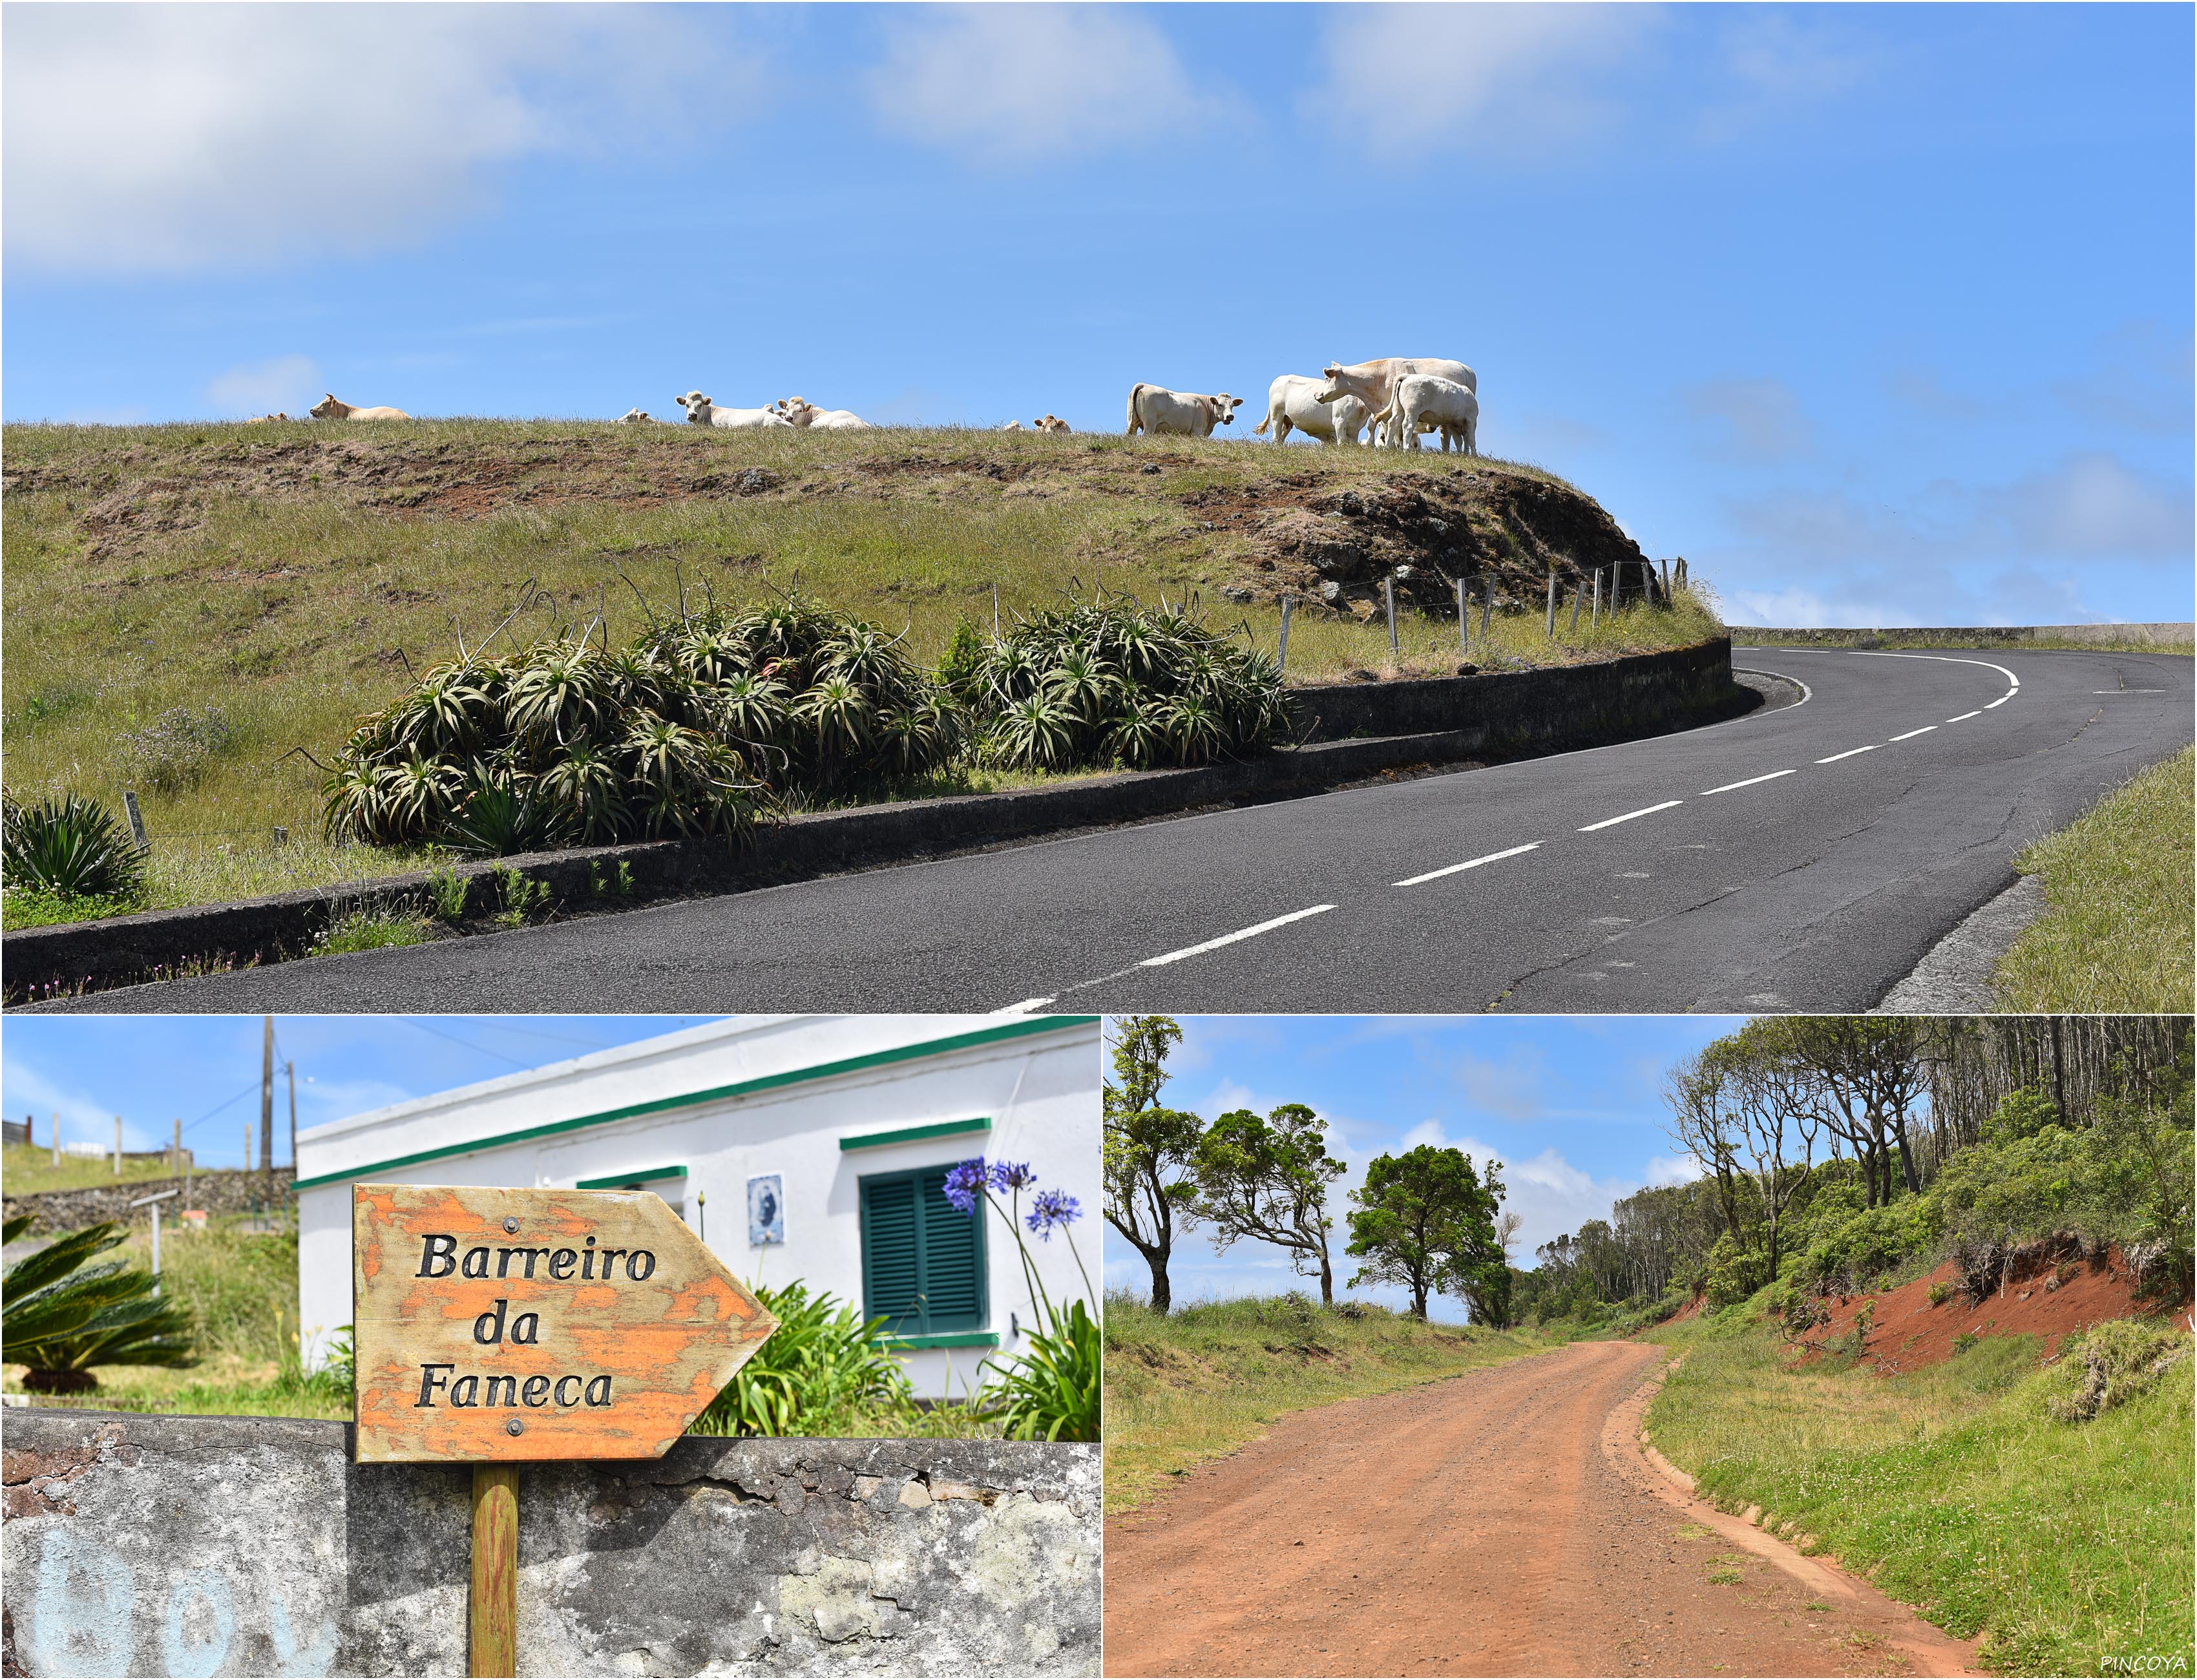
(502, 815)
(60, 1319)
(821, 1371)
(558, 694)
(583, 788)
(69, 845)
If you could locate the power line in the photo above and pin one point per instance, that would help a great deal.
(447, 1038)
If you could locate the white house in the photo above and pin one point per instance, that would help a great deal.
(809, 1147)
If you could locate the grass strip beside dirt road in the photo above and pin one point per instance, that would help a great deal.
(1209, 1377)
(2119, 935)
(2067, 1546)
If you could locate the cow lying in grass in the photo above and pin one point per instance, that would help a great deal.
(701, 411)
(1052, 423)
(801, 412)
(1155, 409)
(330, 407)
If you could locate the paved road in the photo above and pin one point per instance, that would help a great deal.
(1804, 858)
(1500, 1522)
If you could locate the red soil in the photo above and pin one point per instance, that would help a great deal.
(1910, 1333)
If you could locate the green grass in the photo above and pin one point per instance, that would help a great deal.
(185, 604)
(373, 930)
(2067, 1547)
(31, 907)
(27, 1168)
(2119, 883)
(1210, 1376)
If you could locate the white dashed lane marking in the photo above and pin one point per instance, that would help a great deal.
(1471, 863)
(1850, 752)
(1965, 716)
(1230, 938)
(1644, 811)
(1733, 787)
(1912, 733)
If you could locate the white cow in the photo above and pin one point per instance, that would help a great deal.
(1155, 409)
(1012, 426)
(1374, 383)
(1293, 404)
(1052, 423)
(331, 409)
(801, 412)
(262, 420)
(701, 411)
(635, 417)
(1425, 404)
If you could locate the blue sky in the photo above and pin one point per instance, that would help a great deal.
(204, 1070)
(1571, 1106)
(1879, 314)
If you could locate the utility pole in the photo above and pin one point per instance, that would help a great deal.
(291, 1068)
(248, 1147)
(266, 1101)
(118, 1146)
(176, 1152)
(56, 1130)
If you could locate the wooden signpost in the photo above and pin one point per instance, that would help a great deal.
(498, 1326)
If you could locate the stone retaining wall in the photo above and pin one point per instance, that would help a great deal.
(229, 1192)
(2168, 638)
(1348, 732)
(137, 1545)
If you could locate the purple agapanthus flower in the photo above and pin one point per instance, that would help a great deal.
(1006, 1176)
(965, 1184)
(1052, 1208)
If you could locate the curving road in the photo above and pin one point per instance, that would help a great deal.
(1803, 858)
(1500, 1522)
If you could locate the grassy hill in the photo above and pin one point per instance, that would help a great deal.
(185, 603)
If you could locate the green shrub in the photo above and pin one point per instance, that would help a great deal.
(70, 847)
(171, 753)
(821, 1371)
(701, 726)
(1735, 1272)
(59, 1318)
(1112, 683)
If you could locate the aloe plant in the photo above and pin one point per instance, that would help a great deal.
(69, 846)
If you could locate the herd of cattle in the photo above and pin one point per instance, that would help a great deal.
(1395, 401)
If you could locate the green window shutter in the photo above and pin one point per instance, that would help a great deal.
(923, 1260)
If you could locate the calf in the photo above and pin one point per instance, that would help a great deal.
(1156, 410)
(1425, 404)
(801, 412)
(1052, 423)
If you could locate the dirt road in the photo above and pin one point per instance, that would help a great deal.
(1499, 1522)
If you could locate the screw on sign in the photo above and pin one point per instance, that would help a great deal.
(501, 1326)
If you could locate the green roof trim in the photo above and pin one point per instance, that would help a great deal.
(620, 1180)
(877, 1058)
(915, 1134)
(910, 1344)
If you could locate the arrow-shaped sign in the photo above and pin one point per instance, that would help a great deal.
(515, 1324)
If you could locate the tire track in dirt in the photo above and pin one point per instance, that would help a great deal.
(1499, 1522)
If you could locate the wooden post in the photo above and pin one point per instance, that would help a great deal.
(1282, 660)
(118, 1146)
(1463, 615)
(1487, 608)
(995, 613)
(1388, 596)
(492, 1621)
(175, 1154)
(1578, 596)
(1552, 606)
(136, 821)
(290, 1069)
(1597, 619)
(267, 1102)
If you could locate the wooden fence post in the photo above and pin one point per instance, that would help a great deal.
(1463, 615)
(1487, 608)
(1552, 607)
(1388, 596)
(1579, 594)
(1282, 660)
(492, 1609)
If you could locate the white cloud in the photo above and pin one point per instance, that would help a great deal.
(177, 138)
(82, 1120)
(1506, 78)
(1673, 1169)
(286, 385)
(1020, 84)
(1755, 419)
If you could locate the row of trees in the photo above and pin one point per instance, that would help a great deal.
(1799, 1123)
(1427, 1220)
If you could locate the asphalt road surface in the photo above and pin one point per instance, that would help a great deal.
(1801, 858)
(1501, 1522)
